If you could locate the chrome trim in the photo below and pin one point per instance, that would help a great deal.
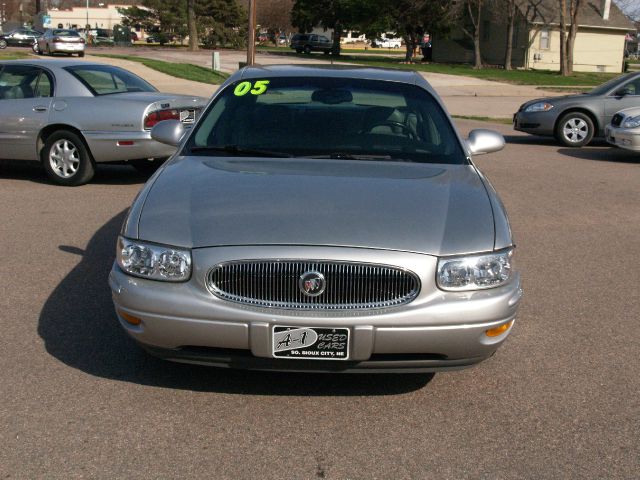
(273, 283)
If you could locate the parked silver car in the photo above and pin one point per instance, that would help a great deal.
(319, 218)
(71, 115)
(59, 40)
(575, 119)
(624, 129)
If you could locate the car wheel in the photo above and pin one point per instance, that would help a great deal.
(575, 129)
(67, 160)
(34, 47)
(80, 54)
(48, 50)
(298, 50)
(3, 44)
(327, 52)
(146, 166)
(307, 49)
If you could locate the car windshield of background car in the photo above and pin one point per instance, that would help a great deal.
(107, 80)
(338, 118)
(605, 87)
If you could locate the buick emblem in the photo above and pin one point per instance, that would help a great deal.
(312, 283)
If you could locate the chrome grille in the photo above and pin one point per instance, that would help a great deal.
(274, 283)
(617, 120)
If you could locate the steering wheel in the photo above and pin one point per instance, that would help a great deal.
(392, 123)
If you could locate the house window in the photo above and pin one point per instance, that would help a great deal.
(544, 39)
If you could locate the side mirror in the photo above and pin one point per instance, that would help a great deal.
(626, 90)
(169, 132)
(483, 141)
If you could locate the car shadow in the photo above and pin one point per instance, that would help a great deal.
(611, 154)
(530, 140)
(79, 327)
(31, 171)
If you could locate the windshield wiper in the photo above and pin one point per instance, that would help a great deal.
(351, 156)
(237, 150)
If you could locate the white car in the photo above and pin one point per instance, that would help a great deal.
(624, 129)
(388, 43)
(59, 40)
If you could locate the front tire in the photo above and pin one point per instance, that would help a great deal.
(307, 49)
(3, 44)
(575, 129)
(80, 54)
(67, 159)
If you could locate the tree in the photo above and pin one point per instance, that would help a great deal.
(509, 7)
(216, 22)
(222, 23)
(567, 40)
(192, 25)
(275, 16)
(469, 13)
(373, 17)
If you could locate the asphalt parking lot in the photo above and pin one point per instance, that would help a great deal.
(558, 400)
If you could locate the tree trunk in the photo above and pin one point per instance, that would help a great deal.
(563, 39)
(192, 25)
(573, 31)
(476, 32)
(511, 15)
(337, 35)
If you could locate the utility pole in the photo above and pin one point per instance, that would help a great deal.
(87, 24)
(251, 46)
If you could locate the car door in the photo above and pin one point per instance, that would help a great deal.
(625, 96)
(25, 99)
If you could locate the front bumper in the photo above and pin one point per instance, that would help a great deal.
(627, 138)
(437, 331)
(537, 123)
(105, 146)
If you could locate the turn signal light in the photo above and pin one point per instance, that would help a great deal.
(494, 332)
(130, 318)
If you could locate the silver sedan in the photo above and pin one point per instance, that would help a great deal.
(319, 219)
(71, 115)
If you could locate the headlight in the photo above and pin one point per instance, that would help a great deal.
(631, 122)
(475, 272)
(539, 107)
(155, 262)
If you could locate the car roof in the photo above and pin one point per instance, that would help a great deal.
(52, 63)
(330, 71)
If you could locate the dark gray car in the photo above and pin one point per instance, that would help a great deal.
(575, 119)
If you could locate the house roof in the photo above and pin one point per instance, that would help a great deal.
(590, 14)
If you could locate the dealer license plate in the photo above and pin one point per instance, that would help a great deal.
(311, 343)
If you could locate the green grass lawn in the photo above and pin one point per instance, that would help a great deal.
(13, 55)
(187, 71)
(520, 77)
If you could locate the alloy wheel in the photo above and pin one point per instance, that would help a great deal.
(64, 158)
(575, 130)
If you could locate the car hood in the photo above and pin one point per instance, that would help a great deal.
(557, 100)
(214, 201)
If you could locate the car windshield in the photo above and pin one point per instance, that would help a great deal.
(605, 87)
(107, 80)
(338, 118)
